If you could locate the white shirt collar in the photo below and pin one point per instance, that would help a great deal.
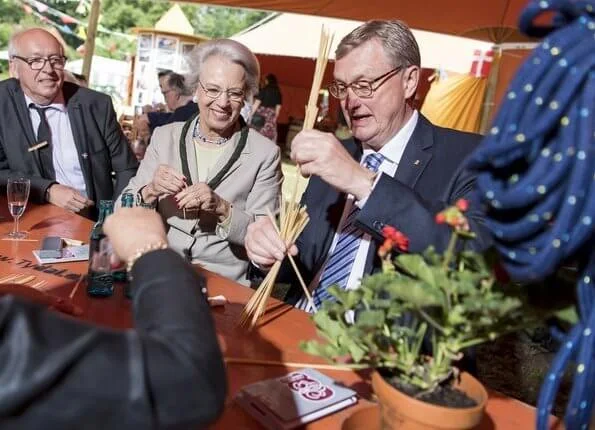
(58, 106)
(393, 150)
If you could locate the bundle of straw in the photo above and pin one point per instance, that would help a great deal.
(293, 217)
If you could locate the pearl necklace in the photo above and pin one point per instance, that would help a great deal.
(198, 137)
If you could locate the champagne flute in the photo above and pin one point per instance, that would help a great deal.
(17, 191)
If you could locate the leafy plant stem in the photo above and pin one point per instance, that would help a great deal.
(431, 321)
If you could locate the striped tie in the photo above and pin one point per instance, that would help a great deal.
(339, 264)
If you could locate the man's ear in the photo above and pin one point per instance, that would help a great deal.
(411, 79)
(12, 69)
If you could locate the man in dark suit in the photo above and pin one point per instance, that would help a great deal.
(65, 138)
(398, 169)
(167, 373)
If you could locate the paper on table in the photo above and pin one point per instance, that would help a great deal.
(69, 253)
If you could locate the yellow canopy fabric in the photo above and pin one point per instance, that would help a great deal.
(455, 102)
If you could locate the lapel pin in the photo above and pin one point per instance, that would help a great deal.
(84, 155)
(38, 146)
(416, 163)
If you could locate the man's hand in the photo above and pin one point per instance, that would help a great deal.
(321, 154)
(132, 229)
(67, 198)
(264, 246)
(166, 181)
(200, 196)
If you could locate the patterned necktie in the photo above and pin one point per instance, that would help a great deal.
(44, 134)
(339, 265)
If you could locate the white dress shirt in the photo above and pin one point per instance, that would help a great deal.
(64, 152)
(392, 153)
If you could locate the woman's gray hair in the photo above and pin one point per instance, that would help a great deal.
(396, 38)
(230, 50)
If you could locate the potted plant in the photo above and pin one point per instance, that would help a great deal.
(413, 322)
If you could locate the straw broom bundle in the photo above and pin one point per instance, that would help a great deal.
(293, 217)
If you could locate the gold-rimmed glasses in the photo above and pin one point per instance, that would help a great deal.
(234, 94)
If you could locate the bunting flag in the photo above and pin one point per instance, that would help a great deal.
(83, 5)
(42, 8)
(81, 33)
(66, 19)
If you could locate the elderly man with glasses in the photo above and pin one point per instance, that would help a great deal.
(63, 137)
(398, 170)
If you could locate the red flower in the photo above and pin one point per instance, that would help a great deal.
(462, 205)
(401, 241)
(440, 218)
(393, 239)
(388, 231)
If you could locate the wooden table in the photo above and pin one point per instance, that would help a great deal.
(276, 339)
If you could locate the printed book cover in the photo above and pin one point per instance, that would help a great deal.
(295, 399)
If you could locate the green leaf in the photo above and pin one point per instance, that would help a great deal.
(415, 265)
(370, 318)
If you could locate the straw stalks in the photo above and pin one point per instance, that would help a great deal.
(293, 217)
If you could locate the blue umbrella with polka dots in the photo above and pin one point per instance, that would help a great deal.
(537, 178)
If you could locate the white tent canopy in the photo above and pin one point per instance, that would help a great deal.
(298, 36)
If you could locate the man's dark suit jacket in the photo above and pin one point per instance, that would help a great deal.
(429, 177)
(167, 373)
(181, 114)
(102, 147)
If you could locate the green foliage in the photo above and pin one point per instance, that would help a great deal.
(216, 21)
(118, 15)
(452, 299)
(121, 16)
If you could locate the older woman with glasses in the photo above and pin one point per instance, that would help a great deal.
(211, 176)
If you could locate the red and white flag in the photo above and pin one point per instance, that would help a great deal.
(482, 61)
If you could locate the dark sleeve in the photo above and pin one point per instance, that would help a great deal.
(167, 373)
(157, 119)
(123, 161)
(38, 184)
(393, 203)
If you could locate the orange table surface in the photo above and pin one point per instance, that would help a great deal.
(276, 338)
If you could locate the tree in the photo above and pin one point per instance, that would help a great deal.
(215, 21)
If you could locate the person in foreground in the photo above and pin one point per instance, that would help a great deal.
(398, 170)
(63, 137)
(167, 373)
(211, 176)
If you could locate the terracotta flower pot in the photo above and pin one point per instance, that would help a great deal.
(402, 412)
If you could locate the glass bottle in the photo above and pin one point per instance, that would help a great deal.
(121, 275)
(99, 277)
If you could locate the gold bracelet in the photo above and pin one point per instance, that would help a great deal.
(142, 251)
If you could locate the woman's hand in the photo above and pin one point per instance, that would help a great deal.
(166, 181)
(200, 196)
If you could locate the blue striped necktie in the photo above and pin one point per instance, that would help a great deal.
(339, 265)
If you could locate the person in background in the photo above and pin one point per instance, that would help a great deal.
(266, 108)
(179, 101)
(397, 170)
(63, 137)
(212, 175)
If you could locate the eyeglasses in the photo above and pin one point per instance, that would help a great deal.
(361, 88)
(234, 94)
(57, 62)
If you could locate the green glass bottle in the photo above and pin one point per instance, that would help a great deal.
(121, 275)
(99, 277)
